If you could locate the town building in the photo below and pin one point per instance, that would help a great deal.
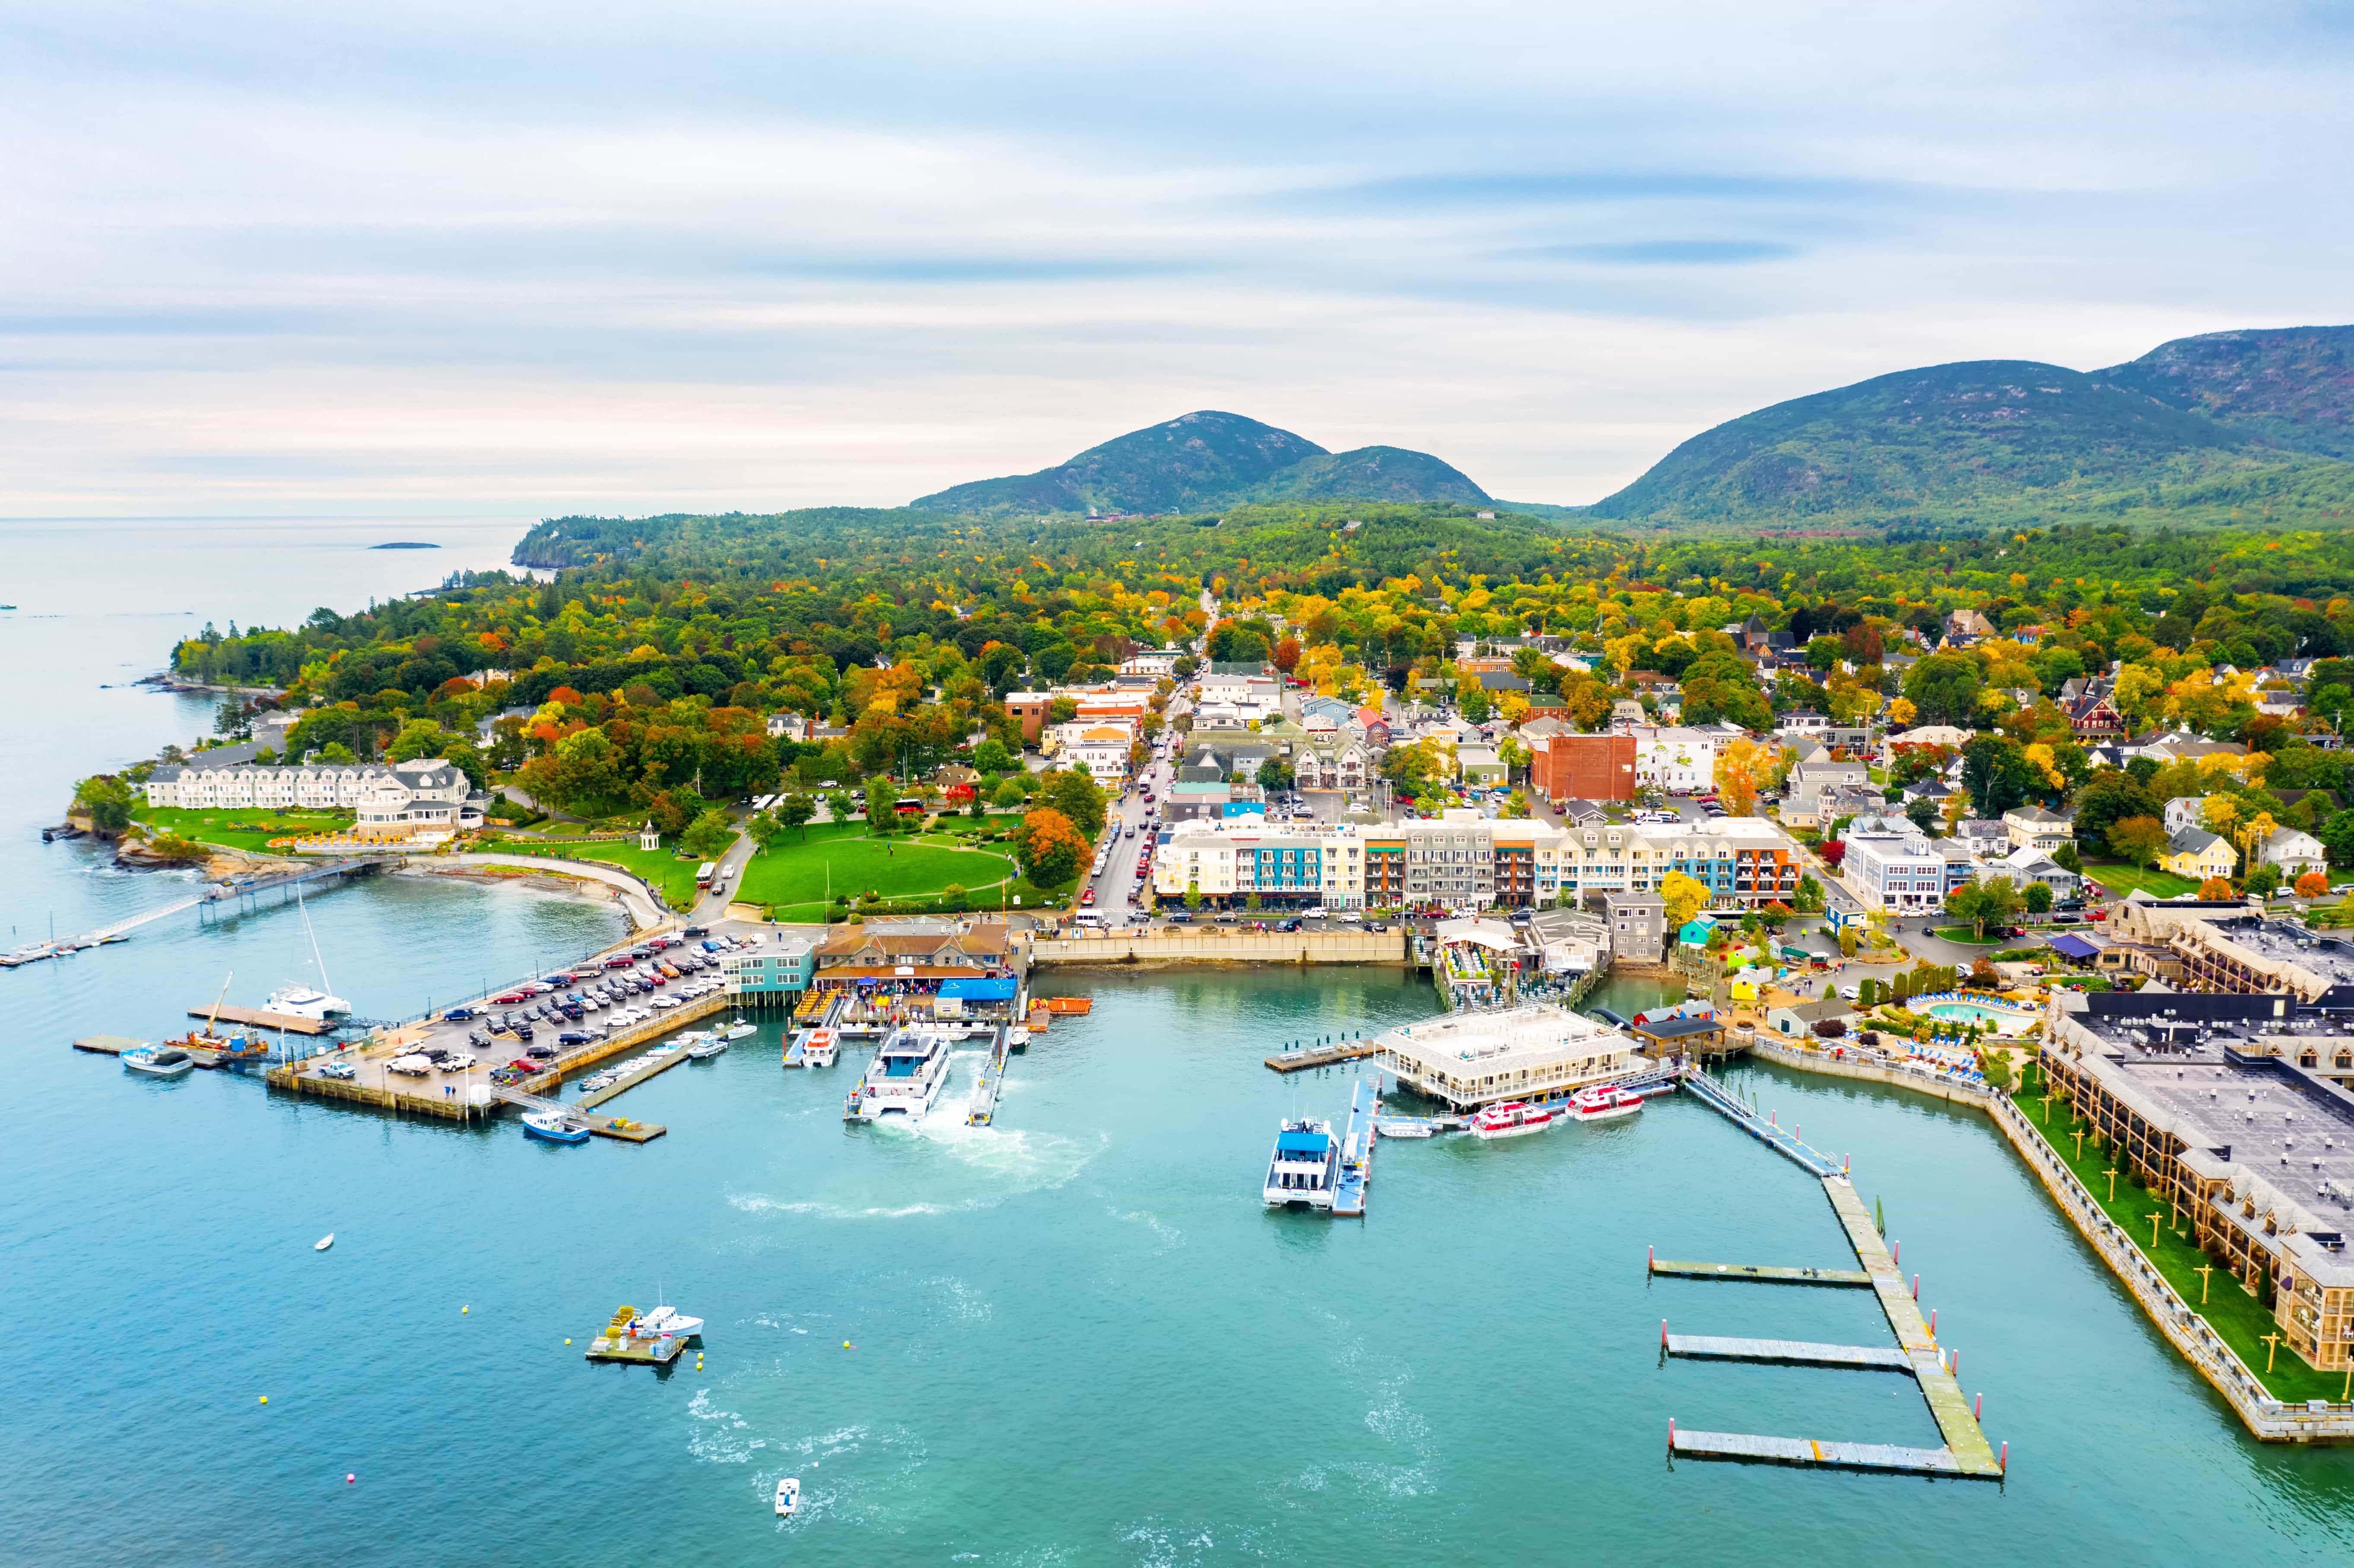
(1471, 1059)
(1639, 923)
(1228, 862)
(1030, 709)
(1679, 760)
(1100, 747)
(2199, 854)
(1893, 867)
(777, 974)
(1803, 791)
(1564, 766)
(2032, 827)
(428, 798)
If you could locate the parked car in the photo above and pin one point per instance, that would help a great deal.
(478, 1037)
(458, 1015)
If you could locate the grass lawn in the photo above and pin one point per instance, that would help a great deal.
(1966, 935)
(2120, 879)
(795, 877)
(2237, 1316)
(660, 867)
(240, 827)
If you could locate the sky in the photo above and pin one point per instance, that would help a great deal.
(462, 259)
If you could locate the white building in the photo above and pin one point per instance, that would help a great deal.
(1100, 747)
(1892, 867)
(1284, 864)
(1471, 1059)
(1674, 758)
(1149, 664)
(427, 797)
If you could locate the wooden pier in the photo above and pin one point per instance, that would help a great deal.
(256, 1018)
(617, 1127)
(108, 1045)
(1787, 1352)
(1761, 1272)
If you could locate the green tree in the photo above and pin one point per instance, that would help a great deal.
(1471, 697)
(337, 752)
(708, 836)
(2107, 797)
(417, 737)
(1275, 774)
(761, 830)
(1075, 794)
(882, 805)
(1944, 690)
(1809, 896)
(2038, 897)
(991, 757)
(106, 801)
(1982, 900)
(1995, 772)
(1008, 793)
(2263, 881)
(1193, 896)
(795, 811)
(2139, 839)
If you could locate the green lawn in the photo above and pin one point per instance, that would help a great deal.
(240, 827)
(2120, 879)
(1967, 935)
(796, 877)
(2237, 1316)
(660, 867)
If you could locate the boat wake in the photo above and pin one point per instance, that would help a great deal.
(719, 1437)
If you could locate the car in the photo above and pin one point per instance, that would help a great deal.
(524, 1064)
(1087, 897)
(665, 1002)
(574, 1037)
(522, 1031)
(339, 1070)
(1179, 917)
(1286, 926)
(539, 988)
(478, 1037)
(617, 961)
(1378, 926)
(458, 1015)
(508, 998)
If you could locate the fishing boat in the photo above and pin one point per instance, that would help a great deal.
(739, 1028)
(905, 1080)
(665, 1321)
(1511, 1119)
(1605, 1103)
(1302, 1171)
(818, 1048)
(789, 1496)
(554, 1128)
(170, 1062)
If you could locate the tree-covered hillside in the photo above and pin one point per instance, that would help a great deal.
(2292, 387)
(1202, 460)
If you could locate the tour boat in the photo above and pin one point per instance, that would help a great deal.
(818, 1048)
(905, 1079)
(1511, 1119)
(1302, 1171)
(1604, 1103)
(554, 1128)
(169, 1063)
(789, 1496)
(665, 1321)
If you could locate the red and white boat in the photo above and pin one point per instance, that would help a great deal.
(1604, 1103)
(1512, 1119)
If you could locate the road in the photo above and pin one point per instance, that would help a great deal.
(1119, 882)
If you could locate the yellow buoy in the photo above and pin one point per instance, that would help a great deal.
(567, 1341)
(463, 1309)
(265, 1399)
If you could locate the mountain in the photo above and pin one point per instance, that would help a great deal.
(2292, 387)
(2219, 422)
(1205, 460)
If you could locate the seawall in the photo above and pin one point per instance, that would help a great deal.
(1211, 946)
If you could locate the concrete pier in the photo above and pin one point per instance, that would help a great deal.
(1789, 1352)
(1761, 1272)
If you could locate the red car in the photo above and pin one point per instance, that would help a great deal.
(1087, 898)
(509, 998)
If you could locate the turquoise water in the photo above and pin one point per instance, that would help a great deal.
(1079, 1337)
(2009, 1020)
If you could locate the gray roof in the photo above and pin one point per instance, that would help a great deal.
(2191, 841)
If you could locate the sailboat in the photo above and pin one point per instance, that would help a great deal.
(302, 1001)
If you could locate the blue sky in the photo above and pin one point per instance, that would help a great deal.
(531, 259)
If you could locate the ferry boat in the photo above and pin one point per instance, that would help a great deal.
(1305, 1162)
(905, 1079)
(818, 1048)
(171, 1062)
(1604, 1103)
(1512, 1119)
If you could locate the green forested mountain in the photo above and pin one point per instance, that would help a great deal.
(1207, 460)
(2293, 388)
(2212, 427)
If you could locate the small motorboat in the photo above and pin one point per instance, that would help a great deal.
(707, 1049)
(323, 1243)
(554, 1128)
(171, 1062)
(739, 1028)
(789, 1496)
(1511, 1119)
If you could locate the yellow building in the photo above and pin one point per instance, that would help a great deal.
(2199, 854)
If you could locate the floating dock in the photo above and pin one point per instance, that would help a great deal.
(653, 1064)
(108, 1045)
(1787, 1352)
(1322, 1055)
(1761, 1272)
(1746, 1446)
(616, 1127)
(983, 1108)
(1357, 1152)
(615, 1344)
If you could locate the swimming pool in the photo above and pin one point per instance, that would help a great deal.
(2002, 1020)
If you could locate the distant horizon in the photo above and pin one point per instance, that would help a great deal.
(272, 263)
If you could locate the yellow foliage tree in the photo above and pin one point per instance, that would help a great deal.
(1739, 767)
(1684, 898)
(1901, 713)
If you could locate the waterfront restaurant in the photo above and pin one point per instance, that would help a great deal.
(1474, 1059)
(895, 968)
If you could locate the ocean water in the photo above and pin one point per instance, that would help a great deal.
(1075, 1337)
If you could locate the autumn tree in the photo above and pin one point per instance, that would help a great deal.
(1684, 898)
(1050, 848)
(1740, 766)
(1981, 900)
(2139, 839)
(2312, 885)
(2216, 890)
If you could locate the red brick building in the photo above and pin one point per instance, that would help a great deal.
(1583, 768)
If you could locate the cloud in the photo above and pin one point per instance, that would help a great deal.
(533, 257)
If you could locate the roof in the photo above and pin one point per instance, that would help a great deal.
(1678, 1028)
(2069, 947)
(1315, 1144)
(2191, 841)
(978, 988)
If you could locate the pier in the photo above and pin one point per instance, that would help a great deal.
(1783, 1140)
(1357, 1151)
(257, 1018)
(1761, 1272)
(1786, 1352)
(1323, 1056)
(1747, 1446)
(983, 1108)
(617, 1127)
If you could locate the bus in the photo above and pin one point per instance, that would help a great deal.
(703, 873)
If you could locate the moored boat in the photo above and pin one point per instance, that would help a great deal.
(552, 1127)
(707, 1049)
(739, 1029)
(1306, 1162)
(1605, 1103)
(170, 1062)
(1512, 1119)
(818, 1048)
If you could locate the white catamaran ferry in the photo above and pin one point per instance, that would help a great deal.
(1306, 1162)
(904, 1080)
